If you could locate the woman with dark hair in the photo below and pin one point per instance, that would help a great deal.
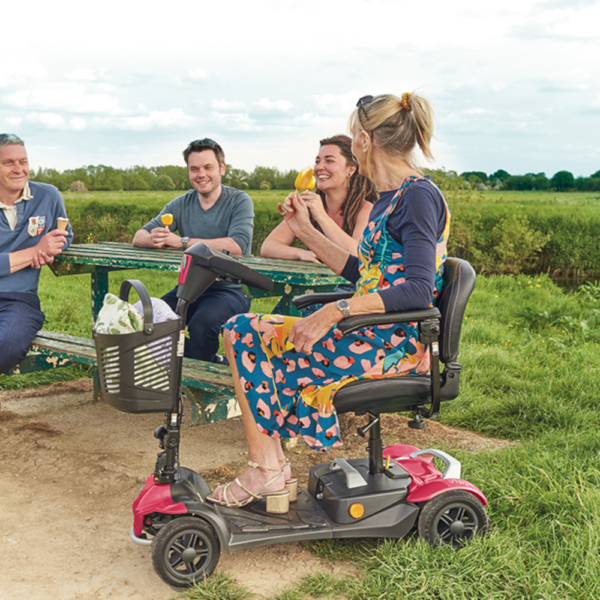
(339, 209)
(286, 370)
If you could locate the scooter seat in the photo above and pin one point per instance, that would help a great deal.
(394, 394)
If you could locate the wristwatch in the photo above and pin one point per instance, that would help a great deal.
(184, 243)
(344, 307)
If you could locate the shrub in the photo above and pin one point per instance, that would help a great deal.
(465, 209)
(164, 182)
(514, 245)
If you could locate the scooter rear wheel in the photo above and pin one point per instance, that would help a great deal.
(184, 551)
(453, 519)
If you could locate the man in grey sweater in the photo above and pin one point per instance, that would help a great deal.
(219, 216)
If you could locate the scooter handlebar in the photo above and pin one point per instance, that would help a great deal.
(227, 266)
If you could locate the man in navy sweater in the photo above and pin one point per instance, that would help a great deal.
(29, 239)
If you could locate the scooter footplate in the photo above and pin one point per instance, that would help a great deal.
(251, 526)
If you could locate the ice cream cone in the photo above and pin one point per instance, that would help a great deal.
(61, 223)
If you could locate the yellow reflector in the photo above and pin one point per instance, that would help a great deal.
(357, 511)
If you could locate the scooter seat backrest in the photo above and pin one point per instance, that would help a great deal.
(458, 283)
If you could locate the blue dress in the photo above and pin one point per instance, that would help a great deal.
(291, 393)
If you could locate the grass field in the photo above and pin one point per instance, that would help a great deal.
(530, 352)
(541, 198)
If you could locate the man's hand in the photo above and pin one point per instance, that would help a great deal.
(161, 237)
(307, 332)
(48, 247)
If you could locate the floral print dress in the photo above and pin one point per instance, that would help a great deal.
(291, 393)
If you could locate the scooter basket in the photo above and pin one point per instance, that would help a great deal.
(140, 372)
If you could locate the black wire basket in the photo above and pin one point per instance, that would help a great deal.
(141, 372)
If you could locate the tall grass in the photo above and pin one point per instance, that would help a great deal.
(498, 232)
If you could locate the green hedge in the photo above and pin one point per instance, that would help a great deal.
(558, 234)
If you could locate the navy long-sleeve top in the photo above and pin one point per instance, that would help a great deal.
(416, 224)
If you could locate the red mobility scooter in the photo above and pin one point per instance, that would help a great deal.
(387, 494)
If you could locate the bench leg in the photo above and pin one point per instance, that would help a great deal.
(208, 407)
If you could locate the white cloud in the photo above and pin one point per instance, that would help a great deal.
(278, 105)
(69, 97)
(310, 119)
(14, 121)
(83, 74)
(336, 104)
(226, 105)
(21, 71)
(499, 86)
(477, 111)
(49, 120)
(198, 74)
(234, 121)
(157, 119)
(77, 124)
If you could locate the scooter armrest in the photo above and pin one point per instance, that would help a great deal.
(321, 298)
(353, 323)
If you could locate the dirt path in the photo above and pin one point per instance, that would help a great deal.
(72, 468)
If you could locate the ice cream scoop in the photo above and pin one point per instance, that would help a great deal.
(166, 219)
(305, 180)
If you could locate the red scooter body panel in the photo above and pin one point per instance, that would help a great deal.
(435, 488)
(154, 497)
(427, 481)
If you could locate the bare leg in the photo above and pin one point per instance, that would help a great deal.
(262, 448)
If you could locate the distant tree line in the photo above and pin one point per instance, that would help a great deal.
(562, 181)
(103, 178)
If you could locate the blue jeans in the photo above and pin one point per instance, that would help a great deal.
(206, 316)
(20, 320)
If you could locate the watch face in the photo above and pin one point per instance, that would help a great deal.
(344, 306)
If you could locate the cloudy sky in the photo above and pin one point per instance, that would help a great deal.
(515, 83)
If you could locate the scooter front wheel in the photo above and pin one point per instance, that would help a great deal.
(453, 519)
(184, 551)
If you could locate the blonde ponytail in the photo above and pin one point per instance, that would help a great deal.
(397, 125)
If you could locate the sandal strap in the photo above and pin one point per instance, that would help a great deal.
(224, 494)
(258, 493)
(256, 465)
(254, 495)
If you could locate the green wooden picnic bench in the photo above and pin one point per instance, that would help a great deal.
(208, 386)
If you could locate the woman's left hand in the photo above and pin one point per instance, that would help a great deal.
(307, 332)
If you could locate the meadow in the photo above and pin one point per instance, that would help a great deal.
(531, 360)
(498, 232)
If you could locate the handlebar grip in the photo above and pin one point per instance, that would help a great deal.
(231, 267)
